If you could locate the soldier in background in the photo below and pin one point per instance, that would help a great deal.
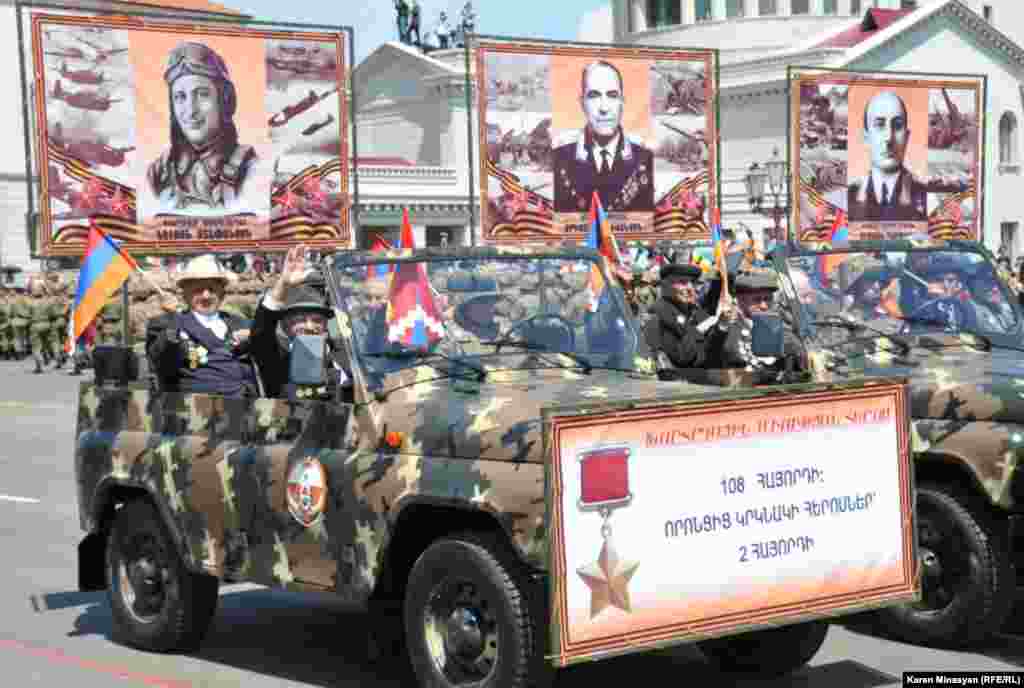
(40, 325)
(108, 326)
(21, 316)
(6, 332)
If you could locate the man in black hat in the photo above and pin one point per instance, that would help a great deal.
(754, 294)
(678, 328)
(299, 310)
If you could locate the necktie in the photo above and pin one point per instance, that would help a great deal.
(885, 194)
(605, 166)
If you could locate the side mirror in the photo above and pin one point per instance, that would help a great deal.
(767, 336)
(306, 360)
(115, 365)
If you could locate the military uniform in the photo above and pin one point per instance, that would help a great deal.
(6, 333)
(627, 186)
(109, 328)
(21, 315)
(41, 334)
(906, 202)
(680, 333)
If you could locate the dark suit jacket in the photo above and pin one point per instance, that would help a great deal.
(628, 186)
(908, 202)
(735, 350)
(676, 335)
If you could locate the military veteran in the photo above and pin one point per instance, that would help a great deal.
(604, 157)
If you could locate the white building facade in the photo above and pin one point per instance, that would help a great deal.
(15, 244)
(758, 39)
(413, 141)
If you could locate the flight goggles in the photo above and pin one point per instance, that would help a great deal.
(195, 58)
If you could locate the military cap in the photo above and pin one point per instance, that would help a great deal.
(191, 57)
(679, 271)
(306, 299)
(760, 280)
(484, 330)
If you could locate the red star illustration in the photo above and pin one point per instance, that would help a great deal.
(288, 199)
(91, 193)
(119, 204)
(312, 189)
(691, 201)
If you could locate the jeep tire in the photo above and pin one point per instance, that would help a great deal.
(468, 616)
(968, 577)
(157, 604)
(767, 653)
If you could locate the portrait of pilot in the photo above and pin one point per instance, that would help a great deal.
(205, 167)
(603, 157)
(889, 192)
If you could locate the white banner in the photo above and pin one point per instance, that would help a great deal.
(742, 511)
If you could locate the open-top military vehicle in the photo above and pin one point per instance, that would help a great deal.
(941, 315)
(502, 420)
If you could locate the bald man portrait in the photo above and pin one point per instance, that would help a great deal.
(603, 157)
(889, 192)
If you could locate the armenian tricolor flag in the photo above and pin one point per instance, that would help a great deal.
(381, 270)
(105, 268)
(839, 238)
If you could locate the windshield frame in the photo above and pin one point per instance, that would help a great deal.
(785, 253)
(336, 264)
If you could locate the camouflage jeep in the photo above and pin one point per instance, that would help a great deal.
(427, 475)
(939, 314)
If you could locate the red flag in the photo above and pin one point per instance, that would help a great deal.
(407, 241)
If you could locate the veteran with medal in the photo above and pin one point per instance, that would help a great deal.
(603, 157)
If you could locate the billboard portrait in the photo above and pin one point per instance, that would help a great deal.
(178, 138)
(561, 123)
(896, 155)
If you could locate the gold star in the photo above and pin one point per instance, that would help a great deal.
(607, 579)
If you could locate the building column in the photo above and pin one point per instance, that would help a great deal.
(419, 235)
(688, 12)
(784, 8)
(717, 10)
(637, 16)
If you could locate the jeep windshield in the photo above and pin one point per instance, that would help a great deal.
(847, 296)
(486, 310)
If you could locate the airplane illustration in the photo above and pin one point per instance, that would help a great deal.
(317, 126)
(290, 111)
(83, 100)
(91, 153)
(302, 66)
(102, 54)
(70, 53)
(82, 76)
(298, 49)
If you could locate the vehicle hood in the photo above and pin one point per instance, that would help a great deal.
(500, 419)
(951, 379)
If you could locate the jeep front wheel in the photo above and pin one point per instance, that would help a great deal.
(967, 574)
(156, 603)
(768, 653)
(468, 620)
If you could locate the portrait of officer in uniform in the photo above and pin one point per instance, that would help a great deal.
(205, 168)
(889, 192)
(603, 157)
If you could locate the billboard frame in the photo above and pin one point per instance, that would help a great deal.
(350, 166)
(477, 133)
(876, 75)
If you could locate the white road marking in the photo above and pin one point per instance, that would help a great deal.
(23, 500)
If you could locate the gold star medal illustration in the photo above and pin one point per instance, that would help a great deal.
(604, 486)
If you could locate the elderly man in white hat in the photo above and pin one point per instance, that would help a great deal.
(202, 349)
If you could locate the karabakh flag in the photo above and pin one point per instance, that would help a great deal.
(413, 316)
(380, 270)
(105, 267)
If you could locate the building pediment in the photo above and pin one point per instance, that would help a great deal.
(393, 59)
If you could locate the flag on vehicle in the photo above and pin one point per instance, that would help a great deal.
(413, 316)
(105, 268)
(839, 237)
(381, 269)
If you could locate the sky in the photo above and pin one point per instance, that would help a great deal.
(373, 21)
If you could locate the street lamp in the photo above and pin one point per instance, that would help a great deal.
(774, 172)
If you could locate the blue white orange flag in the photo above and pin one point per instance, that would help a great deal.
(105, 268)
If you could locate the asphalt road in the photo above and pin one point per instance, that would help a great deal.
(50, 634)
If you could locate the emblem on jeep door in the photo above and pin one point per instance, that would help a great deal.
(307, 491)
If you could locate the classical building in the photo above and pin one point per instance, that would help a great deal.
(412, 139)
(15, 240)
(758, 39)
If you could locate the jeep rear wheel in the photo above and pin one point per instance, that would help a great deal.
(468, 621)
(769, 653)
(156, 603)
(967, 573)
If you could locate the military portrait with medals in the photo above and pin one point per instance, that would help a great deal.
(604, 157)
